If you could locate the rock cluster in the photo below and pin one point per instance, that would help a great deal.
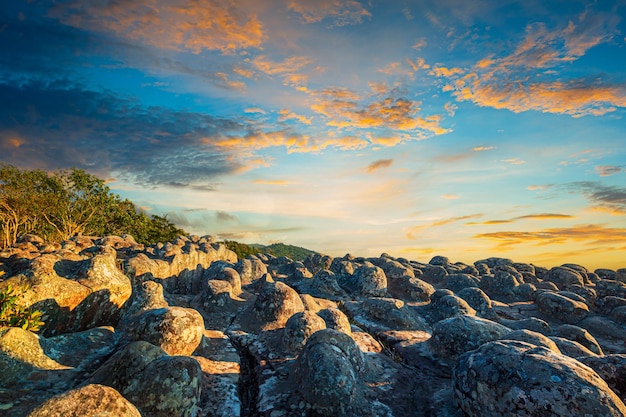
(187, 329)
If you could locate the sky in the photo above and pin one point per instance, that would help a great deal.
(463, 128)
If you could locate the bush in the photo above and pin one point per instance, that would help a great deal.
(14, 315)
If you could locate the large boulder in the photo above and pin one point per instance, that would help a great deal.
(74, 294)
(561, 308)
(299, 328)
(275, 304)
(565, 277)
(368, 281)
(177, 330)
(512, 378)
(457, 335)
(327, 372)
(89, 400)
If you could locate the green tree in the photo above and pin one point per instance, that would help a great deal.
(57, 206)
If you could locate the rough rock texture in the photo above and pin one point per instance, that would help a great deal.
(90, 400)
(506, 378)
(183, 328)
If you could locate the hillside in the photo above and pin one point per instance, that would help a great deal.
(242, 250)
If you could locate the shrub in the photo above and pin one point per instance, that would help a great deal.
(14, 315)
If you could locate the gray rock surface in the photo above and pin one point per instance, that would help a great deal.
(184, 328)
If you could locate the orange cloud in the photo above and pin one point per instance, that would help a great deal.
(482, 148)
(376, 165)
(612, 210)
(293, 142)
(536, 187)
(177, 24)
(593, 234)
(289, 115)
(450, 197)
(288, 66)
(342, 12)
(516, 82)
(540, 216)
(389, 112)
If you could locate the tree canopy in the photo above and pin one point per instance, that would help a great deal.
(56, 206)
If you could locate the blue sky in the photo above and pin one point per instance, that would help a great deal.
(463, 128)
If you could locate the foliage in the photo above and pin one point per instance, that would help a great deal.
(60, 205)
(277, 249)
(14, 315)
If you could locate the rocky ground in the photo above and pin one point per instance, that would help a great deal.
(187, 329)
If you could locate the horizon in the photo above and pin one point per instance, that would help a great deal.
(464, 129)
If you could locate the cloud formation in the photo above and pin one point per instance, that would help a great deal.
(341, 12)
(61, 124)
(607, 170)
(519, 81)
(379, 164)
(591, 234)
(178, 24)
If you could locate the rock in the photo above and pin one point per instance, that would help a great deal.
(327, 372)
(74, 295)
(368, 281)
(460, 334)
(448, 306)
(534, 324)
(299, 328)
(250, 270)
(478, 300)
(501, 284)
(580, 335)
(335, 319)
(168, 386)
(612, 369)
(571, 348)
(607, 287)
(148, 295)
(324, 284)
(457, 282)
(177, 330)
(388, 313)
(275, 304)
(217, 295)
(533, 338)
(561, 308)
(510, 378)
(411, 288)
(565, 277)
(90, 400)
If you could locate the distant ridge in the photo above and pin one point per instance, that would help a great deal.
(242, 250)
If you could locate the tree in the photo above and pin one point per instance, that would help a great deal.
(59, 205)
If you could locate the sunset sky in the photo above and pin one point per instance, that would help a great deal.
(464, 128)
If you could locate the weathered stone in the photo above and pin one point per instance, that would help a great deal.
(449, 306)
(501, 284)
(510, 378)
(533, 338)
(90, 400)
(177, 330)
(460, 334)
(580, 335)
(335, 319)
(388, 312)
(217, 295)
(571, 348)
(612, 369)
(565, 277)
(74, 295)
(457, 282)
(327, 372)
(477, 299)
(368, 281)
(561, 308)
(299, 328)
(275, 304)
